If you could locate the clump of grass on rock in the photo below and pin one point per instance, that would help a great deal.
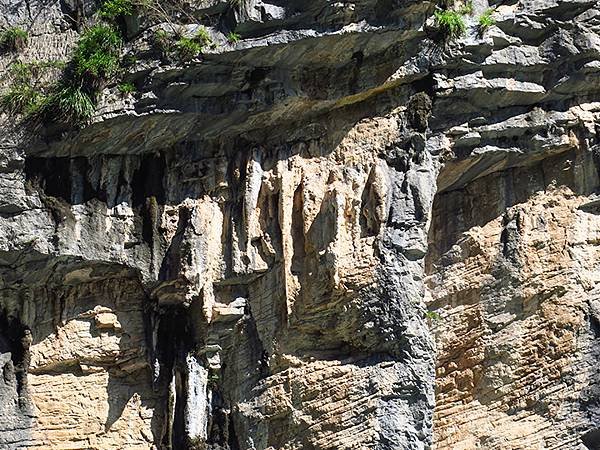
(112, 9)
(188, 48)
(450, 23)
(28, 85)
(68, 104)
(96, 59)
(126, 88)
(13, 39)
(98, 53)
(485, 21)
(233, 38)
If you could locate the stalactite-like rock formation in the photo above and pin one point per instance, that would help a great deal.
(339, 232)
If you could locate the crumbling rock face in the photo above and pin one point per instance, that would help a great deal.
(240, 255)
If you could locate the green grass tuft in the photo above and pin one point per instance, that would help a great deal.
(21, 99)
(98, 53)
(126, 88)
(68, 104)
(485, 21)
(111, 9)
(162, 42)
(30, 72)
(190, 47)
(13, 39)
(467, 8)
(202, 36)
(187, 48)
(21, 72)
(28, 85)
(450, 23)
(233, 38)
(432, 315)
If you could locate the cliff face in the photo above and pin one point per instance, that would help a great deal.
(340, 232)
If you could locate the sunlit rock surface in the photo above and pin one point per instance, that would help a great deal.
(336, 233)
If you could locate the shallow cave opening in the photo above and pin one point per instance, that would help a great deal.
(148, 180)
(15, 338)
(53, 175)
(591, 439)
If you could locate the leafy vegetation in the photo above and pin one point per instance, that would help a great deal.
(98, 52)
(485, 21)
(33, 71)
(31, 96)
(126, 88)
(96, 60)
(26, 93)
(432, 315)
(111, 9)
(21, 99)
(162, 42)
(190, 47)
(467, 8)
(69, 104)
(13, 39)
(233, 37)
(72, 100)
(450, 23)
(202, 36)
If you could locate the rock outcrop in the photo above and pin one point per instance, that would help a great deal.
(340, 232)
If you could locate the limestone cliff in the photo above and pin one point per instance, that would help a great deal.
(336, 227)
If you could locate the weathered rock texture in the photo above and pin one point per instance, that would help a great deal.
(241, 254)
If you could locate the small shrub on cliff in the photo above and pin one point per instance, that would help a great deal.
(187, 48)
(32, 72)
(190, 47)
(111, 9)
(202, 36)
(21, 72)
(161, 42)
(28, 86)
(126, 88)
(450, 23)
(485, 21)
(96, 59)
(98, 53)
(467, 8)
(432, 315)
(13, 39)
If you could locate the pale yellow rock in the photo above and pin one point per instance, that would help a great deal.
(512, 295)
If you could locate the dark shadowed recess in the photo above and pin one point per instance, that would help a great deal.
(15, 339)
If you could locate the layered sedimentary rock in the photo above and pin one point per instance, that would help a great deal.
(242, 253)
